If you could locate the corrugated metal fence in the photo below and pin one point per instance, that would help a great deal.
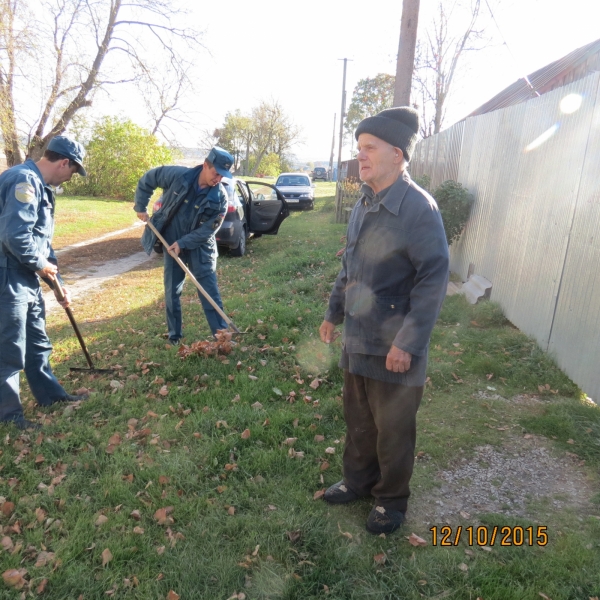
(534, 231)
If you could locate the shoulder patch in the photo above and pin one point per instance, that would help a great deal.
(24, 192)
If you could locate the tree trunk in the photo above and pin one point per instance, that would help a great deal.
(8, 124)
(406, 52)
(38, 143)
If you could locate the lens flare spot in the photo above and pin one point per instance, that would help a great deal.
(542, 139)
(314, 356)
(571, 103)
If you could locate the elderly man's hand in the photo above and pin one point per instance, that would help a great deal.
(397, 360)
(326, 331)
(143, 216)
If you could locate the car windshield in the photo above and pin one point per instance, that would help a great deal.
(292, 180)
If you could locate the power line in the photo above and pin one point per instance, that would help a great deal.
(524, 77)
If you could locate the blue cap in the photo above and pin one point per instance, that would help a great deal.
(221, 161)
(65, 146)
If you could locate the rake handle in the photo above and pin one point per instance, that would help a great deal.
(229, 322)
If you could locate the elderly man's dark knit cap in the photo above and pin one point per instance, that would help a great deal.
(397, 126)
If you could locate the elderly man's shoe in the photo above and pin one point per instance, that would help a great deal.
(340, 493)
(384, 520)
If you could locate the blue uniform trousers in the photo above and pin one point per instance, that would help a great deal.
(174, 275)
(24, 343)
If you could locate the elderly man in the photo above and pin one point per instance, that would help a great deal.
(194, 205)
(26, 228)
(389, 292)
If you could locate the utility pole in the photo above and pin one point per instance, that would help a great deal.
(342, 117)
(332, 147)
(406, 52)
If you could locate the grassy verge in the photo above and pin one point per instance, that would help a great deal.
(81, 218)
(233, 450)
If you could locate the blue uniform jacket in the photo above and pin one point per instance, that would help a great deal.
(394, 273)
(26, 218)
(177, 184)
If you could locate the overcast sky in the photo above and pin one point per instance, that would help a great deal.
(269, 50)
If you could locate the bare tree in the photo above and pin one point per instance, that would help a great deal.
(75, 38)
(438, 57)
(163, 88)
(406, 52)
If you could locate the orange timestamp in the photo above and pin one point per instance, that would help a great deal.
(489, 536)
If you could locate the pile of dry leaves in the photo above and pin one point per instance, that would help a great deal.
(222, 346)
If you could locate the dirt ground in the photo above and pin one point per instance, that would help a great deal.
(114, 248)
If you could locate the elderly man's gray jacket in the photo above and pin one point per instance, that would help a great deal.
(394, 273)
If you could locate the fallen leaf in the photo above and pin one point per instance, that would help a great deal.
(14, 578)
(106, 556)
(315, 383)
(42, 586)
(318, 494)
(101, 520)
(39, 459)
(330, 450)
(163, 480)
(115, 439)
(164, 391)
(294, 536)
(463, 567)
(160, 550)
(8, 508)
(380, 558)
(278, 391)
(44, 558)
(319, 438)
(231, 510)
(172, 595)
(128, 478)
(245, 434)
(139, 530)
(544, 596)
(6, 543)
(324, 466)
(135, 514)
(415, 540)
(289, 441)
(221, 488)
(465, 515)
(346, 534)
(257, 405)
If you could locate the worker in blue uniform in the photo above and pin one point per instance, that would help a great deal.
(26, 227)
(194, 204)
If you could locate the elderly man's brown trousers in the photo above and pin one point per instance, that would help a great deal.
(381, 438)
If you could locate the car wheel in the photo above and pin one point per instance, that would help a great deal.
(241, 247)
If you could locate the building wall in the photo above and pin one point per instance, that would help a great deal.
(534, 229)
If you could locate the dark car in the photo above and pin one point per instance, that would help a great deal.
(320, 173)
(253, 209)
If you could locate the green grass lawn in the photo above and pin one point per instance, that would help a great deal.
(80, 218)
(197, 476)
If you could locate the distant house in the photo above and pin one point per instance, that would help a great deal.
(575, 65)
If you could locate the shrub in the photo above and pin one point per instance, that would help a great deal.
(118, 154)
(454, 202)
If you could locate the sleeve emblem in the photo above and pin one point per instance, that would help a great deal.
(24, 192)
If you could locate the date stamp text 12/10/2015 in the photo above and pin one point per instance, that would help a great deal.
(489, 536)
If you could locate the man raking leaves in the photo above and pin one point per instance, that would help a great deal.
(194, 205)
(26, 229)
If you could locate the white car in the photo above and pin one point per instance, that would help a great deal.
(297, 189)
